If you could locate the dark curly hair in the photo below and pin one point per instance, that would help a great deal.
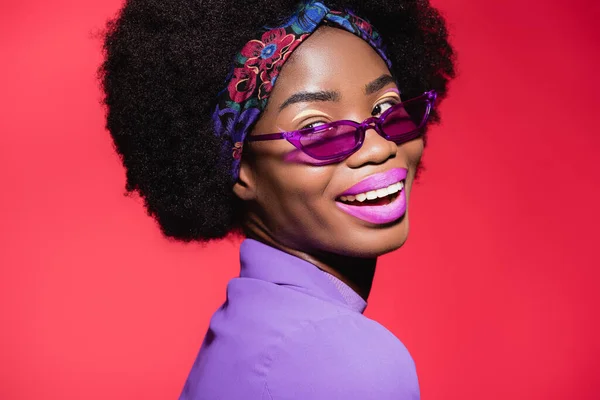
(166, 60)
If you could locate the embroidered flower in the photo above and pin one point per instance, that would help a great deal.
(267, 78)
(237, 150)
(242, 84)
(267, 52)
(233, 122)
(362, 25)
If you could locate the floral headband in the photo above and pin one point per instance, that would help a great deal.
(258, 64)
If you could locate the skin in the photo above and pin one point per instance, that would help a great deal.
(290, 200)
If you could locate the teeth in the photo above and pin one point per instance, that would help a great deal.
(382, 192)
(373, 194)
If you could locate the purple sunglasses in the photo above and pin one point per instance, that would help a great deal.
(335, 141)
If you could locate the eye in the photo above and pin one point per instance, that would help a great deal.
(313, 124)
(383, 106)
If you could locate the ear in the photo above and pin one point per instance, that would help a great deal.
(245, 186)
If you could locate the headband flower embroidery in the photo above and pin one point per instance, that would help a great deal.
(272, 49)
(242, 84)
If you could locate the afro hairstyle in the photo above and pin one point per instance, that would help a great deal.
(166, 60)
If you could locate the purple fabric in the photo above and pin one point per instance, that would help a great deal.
(352, 299)
(290, 331)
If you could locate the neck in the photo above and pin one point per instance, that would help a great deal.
(355, 272)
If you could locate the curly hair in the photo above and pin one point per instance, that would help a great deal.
(166, 60)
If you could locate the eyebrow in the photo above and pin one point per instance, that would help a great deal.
(305, 97)
(379, 84)
(328, 95)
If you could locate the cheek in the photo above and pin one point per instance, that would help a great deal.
(413, 151)
(293, 192)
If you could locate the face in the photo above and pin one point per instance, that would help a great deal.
(296, 203)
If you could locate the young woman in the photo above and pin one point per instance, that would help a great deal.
(301, 127)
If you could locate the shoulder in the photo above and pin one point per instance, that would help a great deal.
(348, 356)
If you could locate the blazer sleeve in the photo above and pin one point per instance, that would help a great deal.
(346, 357)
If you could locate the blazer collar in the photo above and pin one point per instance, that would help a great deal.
(261, 261)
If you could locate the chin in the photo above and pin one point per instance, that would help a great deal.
(393, 239)
(381, 240)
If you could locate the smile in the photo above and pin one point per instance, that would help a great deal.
(378, 199)
(374, 194)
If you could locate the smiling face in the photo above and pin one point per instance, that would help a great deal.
(294, 203)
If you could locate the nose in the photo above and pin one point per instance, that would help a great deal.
(375, 150)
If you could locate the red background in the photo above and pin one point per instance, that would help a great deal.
(495, 294)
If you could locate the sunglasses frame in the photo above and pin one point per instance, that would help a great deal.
(376, 123)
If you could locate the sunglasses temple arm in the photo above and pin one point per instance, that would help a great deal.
(269, 136)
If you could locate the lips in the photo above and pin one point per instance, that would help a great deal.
(377, 181)
(378, 199)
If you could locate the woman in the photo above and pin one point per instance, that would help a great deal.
(304, 136)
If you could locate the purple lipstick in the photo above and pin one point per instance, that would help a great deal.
(378, 199)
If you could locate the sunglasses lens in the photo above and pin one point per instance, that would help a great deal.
(330, 142)
(406, 118)
(333, 142)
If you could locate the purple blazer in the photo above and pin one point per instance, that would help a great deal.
(291, 331)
